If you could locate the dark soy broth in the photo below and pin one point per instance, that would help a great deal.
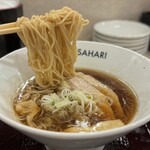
(126, 95)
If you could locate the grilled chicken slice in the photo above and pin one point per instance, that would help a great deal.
(100, 126)
(28, 109)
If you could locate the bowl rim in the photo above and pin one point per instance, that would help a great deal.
(82, 135)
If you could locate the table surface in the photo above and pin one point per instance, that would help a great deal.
(139, 139)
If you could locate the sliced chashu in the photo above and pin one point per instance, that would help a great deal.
(79, 83)
(116, 106)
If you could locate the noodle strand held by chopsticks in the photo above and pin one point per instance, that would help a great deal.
(51, 43)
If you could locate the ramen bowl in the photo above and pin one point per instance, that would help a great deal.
(132, 67)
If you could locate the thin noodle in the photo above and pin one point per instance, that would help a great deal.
(51, 44)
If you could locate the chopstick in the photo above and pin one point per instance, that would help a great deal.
(8, 28)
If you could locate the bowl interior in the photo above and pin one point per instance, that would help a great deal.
(133, 68)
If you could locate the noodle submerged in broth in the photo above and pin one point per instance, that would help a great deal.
(58, 98)
(54, 109)
(73, 108)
